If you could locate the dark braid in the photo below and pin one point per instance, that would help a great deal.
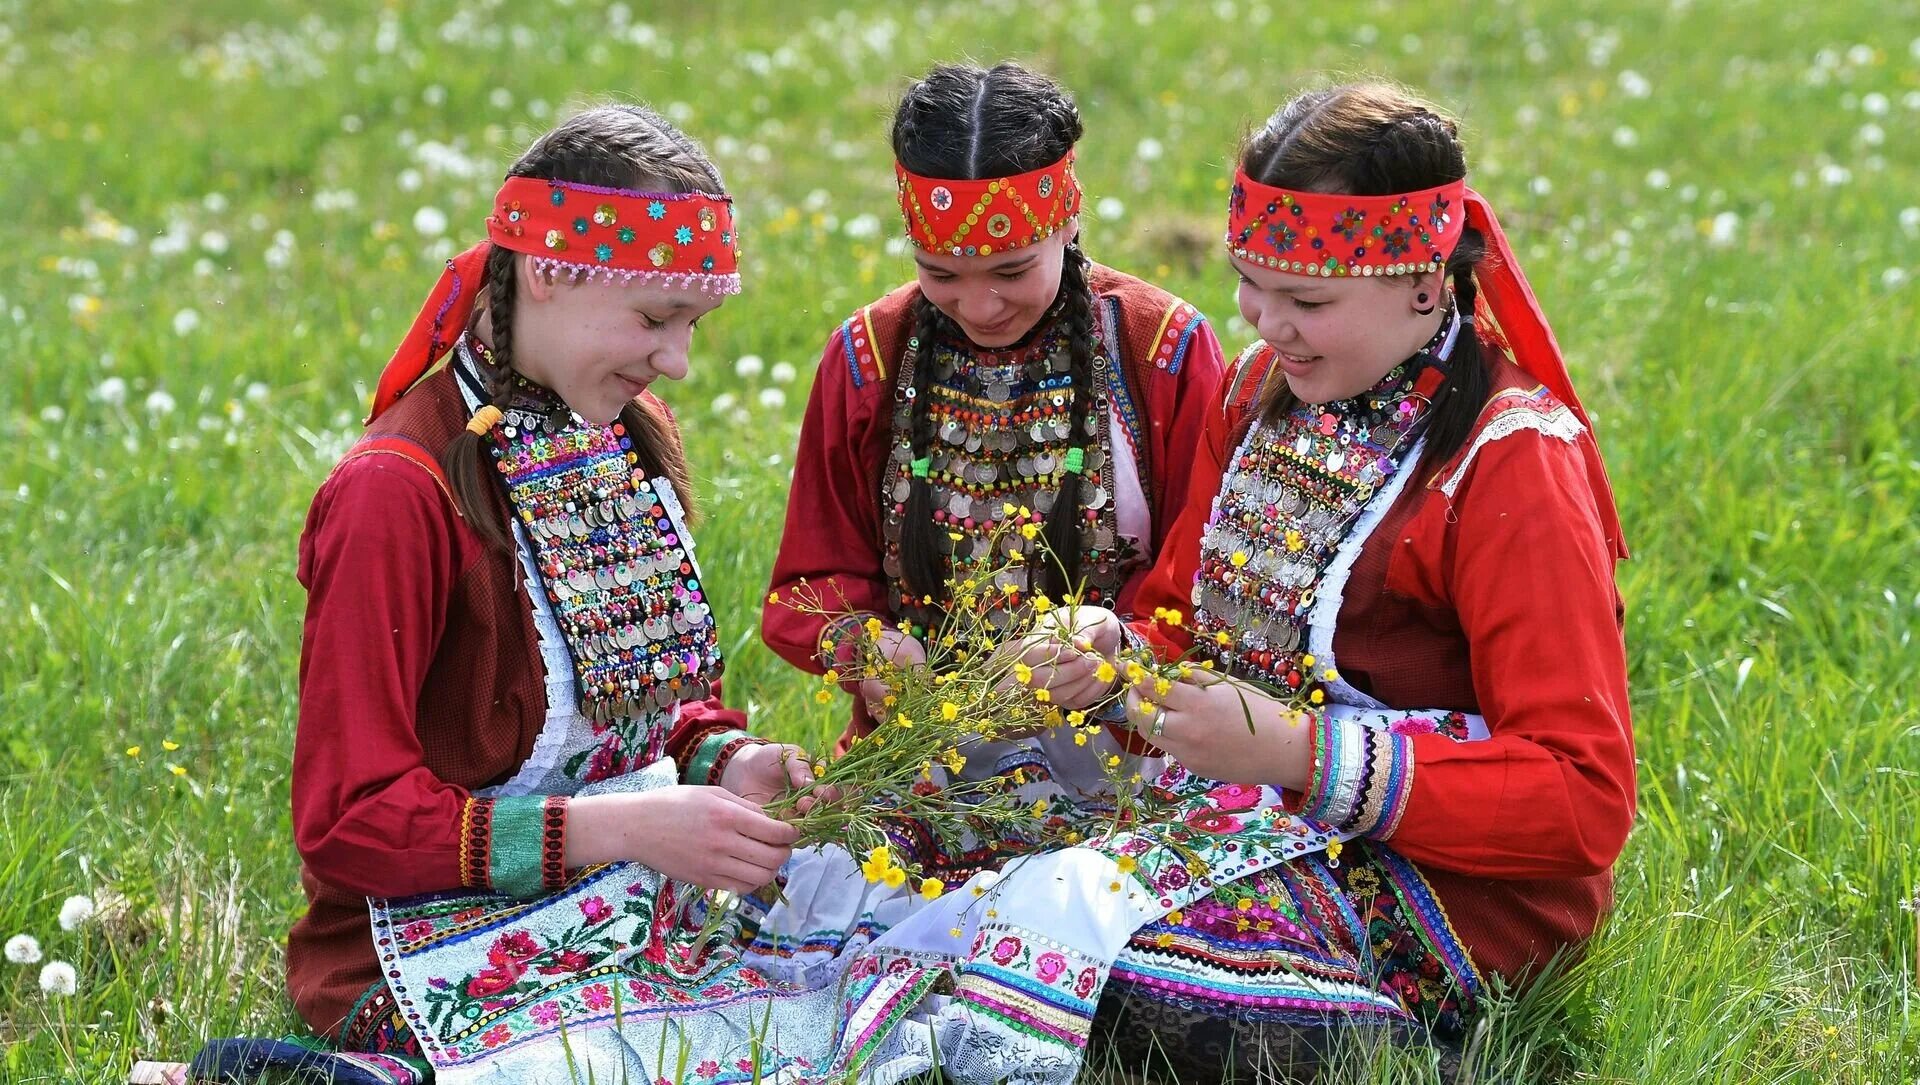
(967, 122)
(613, 146)
(1370, 139)
(1062, 572)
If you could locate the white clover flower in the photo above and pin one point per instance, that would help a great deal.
(1635, 85)
(1148, 150)
(159, 404)
(112, 392)
(1725, 230)
(772, 398)
(185, 321)
(749, 365)
(783, 372)
(77, 909)
(430, 221)
(59, 978)
(23, 949)
(1111, 209)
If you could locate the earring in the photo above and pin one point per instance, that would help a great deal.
(1422, 299)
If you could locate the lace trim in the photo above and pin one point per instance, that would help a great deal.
(1558, 422)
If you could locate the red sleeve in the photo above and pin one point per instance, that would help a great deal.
(1528, 571)
(1179, 407)
(378, 558)
(833, 533)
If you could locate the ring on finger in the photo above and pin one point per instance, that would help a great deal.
(1158, 725)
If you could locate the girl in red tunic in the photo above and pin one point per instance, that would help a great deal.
(1012, 373)
(509, 674)
(1397, 514)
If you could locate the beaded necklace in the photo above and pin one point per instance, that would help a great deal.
(616, 562)
(1002, 424)
(1290, 495)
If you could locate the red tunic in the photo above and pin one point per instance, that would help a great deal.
(1497, 600)
(420, 680)
(834, 538)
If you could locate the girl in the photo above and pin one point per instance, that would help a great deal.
(1012, 374)
(1397, 510)
(510, 673)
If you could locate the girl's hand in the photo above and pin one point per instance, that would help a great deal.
(764, 771)
(904, 651)
(1201, 720)
(708, 836)
(1065, 650)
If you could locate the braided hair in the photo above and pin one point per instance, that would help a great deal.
(968, 123)
(612, 146)
(1371, 139)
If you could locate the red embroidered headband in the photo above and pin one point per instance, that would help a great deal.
(673, 238)
(989, 215)
(1316, 233)
(681, 239)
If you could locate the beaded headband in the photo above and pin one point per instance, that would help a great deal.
(992, 214)
(1317, 233)
(673, 238)
(676, 239)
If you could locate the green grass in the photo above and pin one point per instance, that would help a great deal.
(1755, 380)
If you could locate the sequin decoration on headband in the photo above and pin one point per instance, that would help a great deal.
(585, 231)
(1328, 234)
(992, 214)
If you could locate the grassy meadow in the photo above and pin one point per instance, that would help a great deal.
(225, 213)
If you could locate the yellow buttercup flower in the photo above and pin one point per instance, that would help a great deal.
(903, 720)
(1334, 848)
(1223, 638)
(823, 696)
(1162, 687)
(1076, 717)
(1029, 531)
(1306, 660)
(831, 678)
(1039, 808)
(879, 861)
(1042, 604)
(1079, 738)
(1126, 864)
(1104, 672)
(1239, 558)
(1176, 917)
(1022, 673)
(1244, 904)
(874, 627)
(894, 878)
(1163, 939)
(949, 711)
(1113, 760)
(931, 888)
(1042, 695)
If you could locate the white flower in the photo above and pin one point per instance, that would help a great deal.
(1540, 186)
(409, 180)
(214, 201)
(1894, 278)
(53, 414)
(500, 98)
(1911, 100)
(862, 226)
(749, 365)
(23, 949)
(1875, 104)
(1148, 150)
(257, 392)
(1624, 137)
(1872, 134)
(783, 372)
(59, 978)
(1658, 178)
(772, 398)
(1725, 230)
(185, 321)
(435, 95)
(214, 242)
(725, 402)
(1910, 221)
(159, 403)
(1635, 85)
(1527, 115)
(112, 391)
(1860, 55)
(1833, 174)
(430, 221)
(1110, 209)
(77, 909)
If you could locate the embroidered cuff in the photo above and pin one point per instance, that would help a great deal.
(528, 847)
(1361, 777)
(476, 843)
(710, 757)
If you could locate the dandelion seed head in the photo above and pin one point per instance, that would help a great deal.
(75, 910)
(59, 978)
(23, 949)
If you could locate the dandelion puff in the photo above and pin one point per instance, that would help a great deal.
(1148, 150)
(185, 321)
(1540, 186)
(1910, 221)
(749, 365)
(783, 372)
(430, 221)
(159, 404)
(23, 949)
(862, 226)
(1894, 278)
(1111, 209)
(257, 392)
(1625, 137)
(1875, 104)
(1725, 230)
(1635, 85)
(75, 910)
(59, 978)
(1659, 178)
(725, 402)
(772, 398)
(214, 242)
(112, 392)
(53, 414)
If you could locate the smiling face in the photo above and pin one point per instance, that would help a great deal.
(598, 345)
(1338, 337)
(995, 299)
